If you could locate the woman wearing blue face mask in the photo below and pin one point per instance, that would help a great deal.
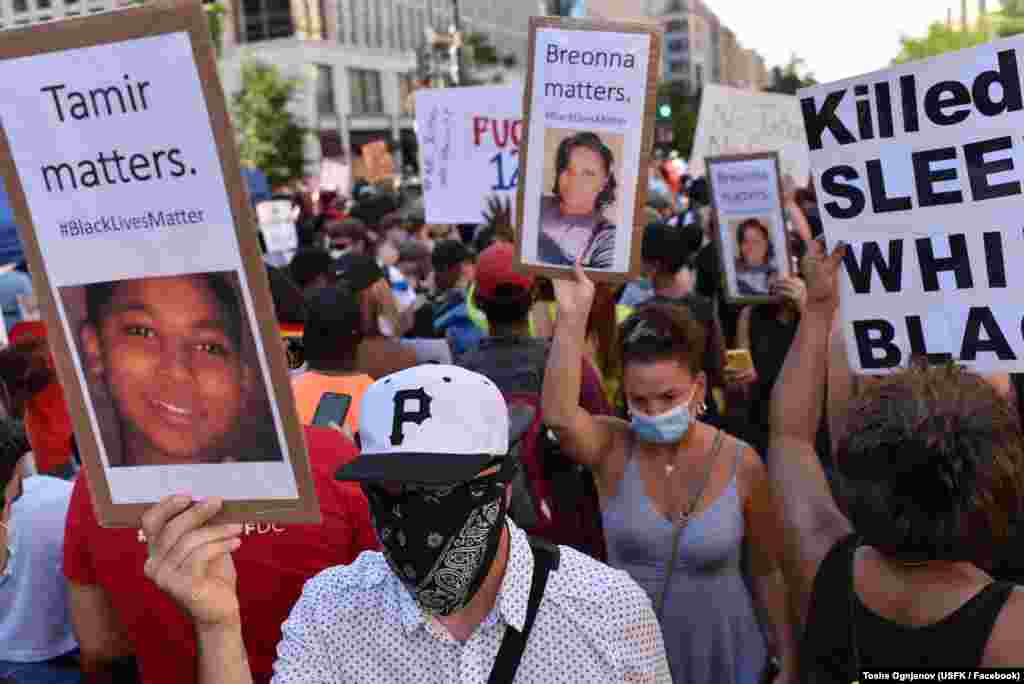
(679, 498)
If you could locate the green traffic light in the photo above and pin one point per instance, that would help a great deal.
(665, 111)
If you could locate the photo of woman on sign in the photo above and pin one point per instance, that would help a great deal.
(171, 368)
(756, 268)
(574, 218)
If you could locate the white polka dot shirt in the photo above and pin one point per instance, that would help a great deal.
(358, 623)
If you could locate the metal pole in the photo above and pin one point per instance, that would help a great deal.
(457, 24)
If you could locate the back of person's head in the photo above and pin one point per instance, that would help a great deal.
(363, 276)
(700, 195)
(13, 445)
(414, 261)
(289, 303)
(24, 371)
(931, 466)
(448, 261)
(504, 294)
(667, 249)
(333, 330)
(310, 267)
(661, 332)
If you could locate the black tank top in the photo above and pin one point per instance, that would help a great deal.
(826, 654)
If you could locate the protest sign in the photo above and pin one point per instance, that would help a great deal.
(336, 174)
(277, 225)
(734, 121)
(377, 159)
(469, 149)
(919, 169)
(746, 195)
(589, 113)
(119, 153)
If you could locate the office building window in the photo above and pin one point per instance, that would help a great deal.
(364, 16)
(266, 19)
(678, 45)
(406, 85)
(378, 24)
(325, 90)
(366, 93)
(342, 21)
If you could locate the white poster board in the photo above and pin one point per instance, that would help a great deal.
(753, 247)
(469, 149)
(336, 174)
(141, 243)
(734, 121)
(277, 224)
(590, 100)
(919, 169)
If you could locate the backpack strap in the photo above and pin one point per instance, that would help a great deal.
(546, 557)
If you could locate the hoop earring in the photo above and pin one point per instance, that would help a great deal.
(702, 408)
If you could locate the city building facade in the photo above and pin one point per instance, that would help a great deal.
(356, 59)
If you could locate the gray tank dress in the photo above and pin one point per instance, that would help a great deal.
(711, 631)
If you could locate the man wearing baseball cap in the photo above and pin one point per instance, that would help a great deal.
(458, 594)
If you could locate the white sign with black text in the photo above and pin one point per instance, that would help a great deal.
(919, 169)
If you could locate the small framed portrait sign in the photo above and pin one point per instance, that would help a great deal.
(753, 244)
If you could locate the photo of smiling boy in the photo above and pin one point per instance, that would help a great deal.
(174, 364)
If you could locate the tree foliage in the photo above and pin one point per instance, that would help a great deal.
(939, 40)
(1010, 21)
(269, 137)
(685, 109)
(790, 78)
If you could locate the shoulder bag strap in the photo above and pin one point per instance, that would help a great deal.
(545, 559)
(680, 525)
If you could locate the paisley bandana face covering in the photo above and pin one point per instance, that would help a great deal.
(441, 540)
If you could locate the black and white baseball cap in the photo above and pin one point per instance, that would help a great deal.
(430, 424)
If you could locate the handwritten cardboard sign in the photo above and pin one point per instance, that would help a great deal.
(469, 149)
(379, 163)
(119, 155)
(734, 121)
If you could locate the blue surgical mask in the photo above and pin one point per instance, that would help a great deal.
(665, 428)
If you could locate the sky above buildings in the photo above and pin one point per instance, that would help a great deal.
(837, 38)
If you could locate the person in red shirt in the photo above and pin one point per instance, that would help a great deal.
(38, 398)
(117, 612)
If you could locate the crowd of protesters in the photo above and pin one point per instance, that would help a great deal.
(594, 494)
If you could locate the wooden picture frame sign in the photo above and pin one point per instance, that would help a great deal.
(597, 78)
(755, 192)
(166, 49)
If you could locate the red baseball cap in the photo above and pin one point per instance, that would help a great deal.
(495, 267)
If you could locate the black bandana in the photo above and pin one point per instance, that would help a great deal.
(441, 540)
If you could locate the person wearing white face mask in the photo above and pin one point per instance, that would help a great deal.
(37, 643)
(679, 498)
